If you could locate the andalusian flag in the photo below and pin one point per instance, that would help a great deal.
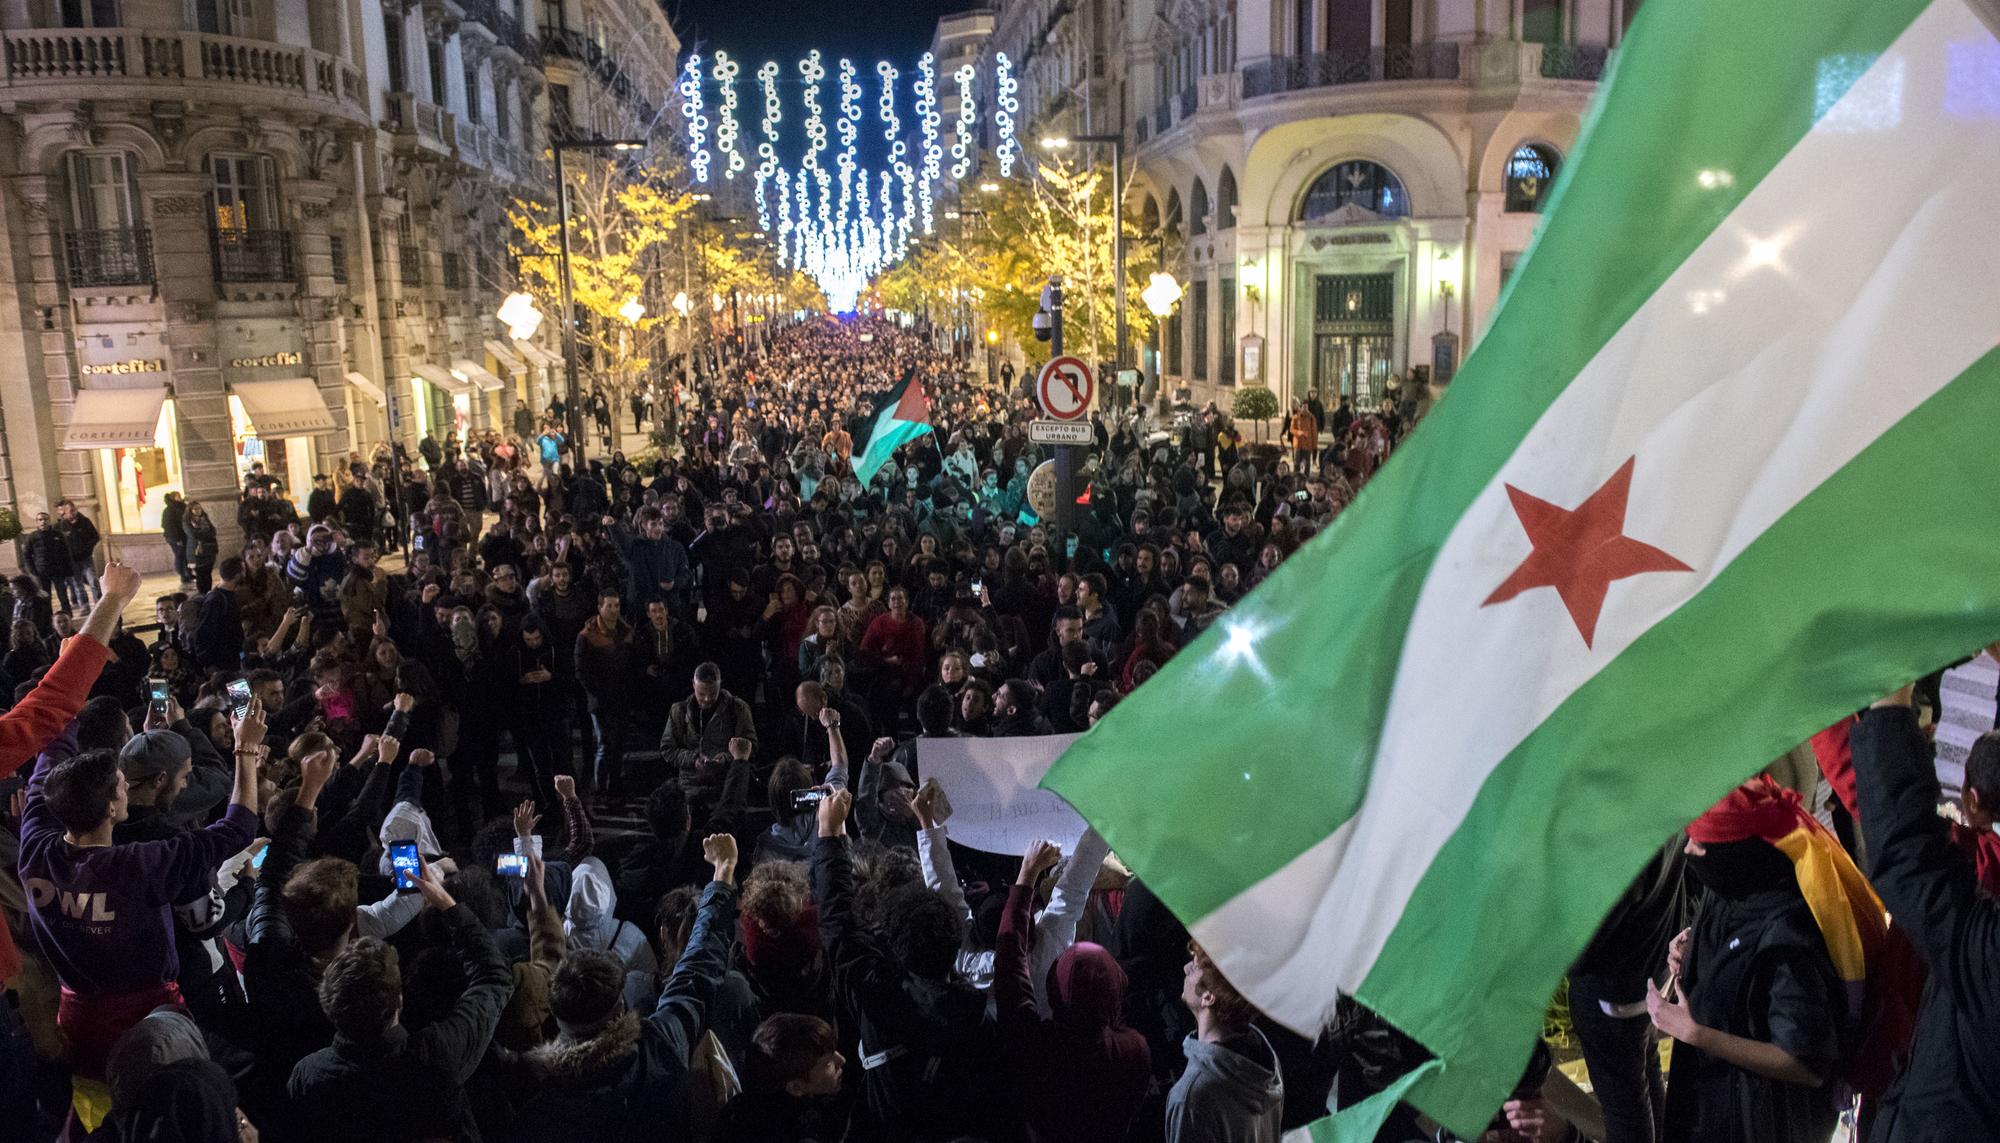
(902, 416)
(1720, 473)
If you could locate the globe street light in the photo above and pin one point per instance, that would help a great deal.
(632, 310)
(520, 315)
(1161, 294)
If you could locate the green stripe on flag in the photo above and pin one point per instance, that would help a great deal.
(1700, 88)
(1850, 622)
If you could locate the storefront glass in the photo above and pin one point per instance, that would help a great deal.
(290, 460)
(132, 483)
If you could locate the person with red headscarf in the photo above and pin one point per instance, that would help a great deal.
(1081, 1074)
(1762, 1014)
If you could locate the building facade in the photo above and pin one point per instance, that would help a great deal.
(276, 230)
(1342, 187)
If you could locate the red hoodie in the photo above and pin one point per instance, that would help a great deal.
(1081, 1075)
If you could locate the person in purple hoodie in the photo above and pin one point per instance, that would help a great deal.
(103, 913)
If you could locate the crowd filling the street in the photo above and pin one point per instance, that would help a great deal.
(494, 797)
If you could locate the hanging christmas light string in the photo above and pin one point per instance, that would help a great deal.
(697, 123)
(767, 148)
(961, 143)
(812, 71)
(725, 72)
(1005, 105)
(927, 114)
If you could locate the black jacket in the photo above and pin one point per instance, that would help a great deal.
(404, 1085)
(284, 1023)
(47, 554)
(1948, 1090)
(625, 1082)
(928, 1054)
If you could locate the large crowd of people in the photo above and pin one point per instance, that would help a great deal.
(597, 811)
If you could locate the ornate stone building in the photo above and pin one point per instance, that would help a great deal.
(275, 230)
(1342, 186)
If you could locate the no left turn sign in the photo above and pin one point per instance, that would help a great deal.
(1065, 388)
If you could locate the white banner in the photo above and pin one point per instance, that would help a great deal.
(991, 782)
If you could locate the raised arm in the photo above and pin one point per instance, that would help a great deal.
(684, 1001)
(1925, 882)
(458, 1041)
(1055, 929)
(1013, 983)
(934, 850)
(35, 720)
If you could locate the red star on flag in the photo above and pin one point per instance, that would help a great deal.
(1580, 551)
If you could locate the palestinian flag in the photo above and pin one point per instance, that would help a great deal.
(1718, 474)
(902, 415)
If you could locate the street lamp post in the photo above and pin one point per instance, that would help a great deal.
(1117, 144)
(560, 146)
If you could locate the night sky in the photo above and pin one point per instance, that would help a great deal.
(757, 30)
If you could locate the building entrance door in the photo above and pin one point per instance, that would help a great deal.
(1354, 328)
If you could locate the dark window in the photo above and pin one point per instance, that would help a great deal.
(559, 112)
(1359, 183)
(1171, 336)
(1348, 25)
(1396, 23)
(1302, 27)
(1531, 171)
(1542, 21)
(392, 43)
(437, 72)
(472, 109)
(1354, 298)
(1225, 200)
(336, 247)
(90, 13)
(1198, 220)
(1198, 316)
(1225, 366)
(1173, 223)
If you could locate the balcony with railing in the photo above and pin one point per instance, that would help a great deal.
(1574, 61)
(410, 261)
(504, 29)
(419, 123)
(253, 256)
(142, 62)
(1340, 68)
(122, 256)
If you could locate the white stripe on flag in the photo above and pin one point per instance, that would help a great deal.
(1858, 279)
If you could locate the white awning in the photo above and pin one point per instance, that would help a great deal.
(478, 374)
(368, 388)
(538, 355)
(292, 407)
(116, 418)
(506, 357)
(440, 377)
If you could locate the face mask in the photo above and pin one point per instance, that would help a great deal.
(1738, 869)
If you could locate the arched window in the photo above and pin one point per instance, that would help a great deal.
(1225, 200)
(1198, 218)
(1531, 171)
(1173, 221)
(1357, 183)
(1149, 217)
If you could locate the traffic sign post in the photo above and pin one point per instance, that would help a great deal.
(1065, 388)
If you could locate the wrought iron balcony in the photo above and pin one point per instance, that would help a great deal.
(1574, 61)
(115, 257)
(1335, 69)
(253, 256)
